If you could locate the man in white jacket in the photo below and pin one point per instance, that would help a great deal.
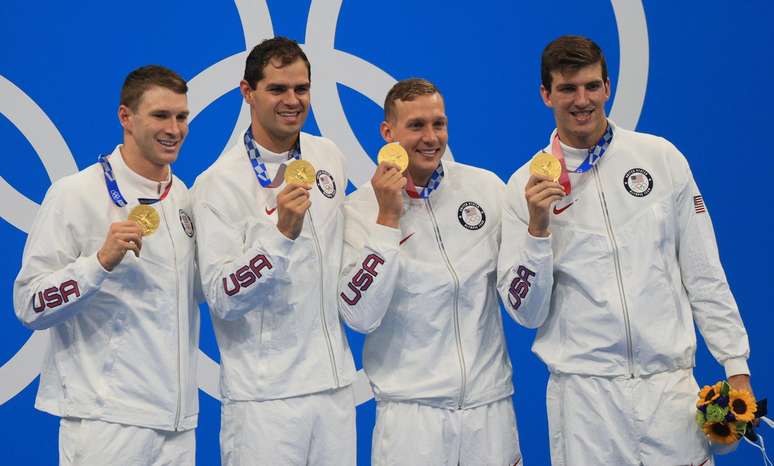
(613, 263)
(420, 279)
(124, 328)
(269, 256)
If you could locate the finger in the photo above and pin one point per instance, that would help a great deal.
(298, 192)
(134, 238)
(542, 185)
(304, 186)
(129, 246)
(389, 167)
(535, 179)
(532, 196)
(546, 198)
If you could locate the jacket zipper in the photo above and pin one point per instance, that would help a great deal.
(177, 314)
(322, 303)
(439, 241)
(618, 273)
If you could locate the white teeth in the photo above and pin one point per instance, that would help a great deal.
(166, 142)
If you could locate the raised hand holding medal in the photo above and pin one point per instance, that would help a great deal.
(542, 191)
(389, 182)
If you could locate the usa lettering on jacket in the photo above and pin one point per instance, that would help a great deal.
(246, 275)
(55, 296)
(520, 286)
(362, 279)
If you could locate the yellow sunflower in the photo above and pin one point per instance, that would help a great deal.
(742, 404)
(719, 432)
(708, 394)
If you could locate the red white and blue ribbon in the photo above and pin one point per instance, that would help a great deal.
(115, 193)
(432, 184)
(260, 168)
(595, 154)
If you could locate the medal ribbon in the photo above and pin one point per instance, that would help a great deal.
(115, 193)
(260, 168)
(595, 155)
(432, 184)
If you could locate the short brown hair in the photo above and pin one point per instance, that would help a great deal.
(285, 50)
(570, 53)
(145, 77)
(407, 90)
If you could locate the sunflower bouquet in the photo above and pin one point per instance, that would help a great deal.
(724, 414)
(727, 415)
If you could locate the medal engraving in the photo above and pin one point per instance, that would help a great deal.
(394, 153)
(300, 172)
(146, 217)
(546, 164)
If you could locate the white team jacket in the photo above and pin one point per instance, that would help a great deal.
(630, 265)
(272, 299)
(123, 344)
(426, 294)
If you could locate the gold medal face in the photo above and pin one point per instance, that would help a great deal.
(546, 164)
(299, 172)
(394, 153)
(145, 216)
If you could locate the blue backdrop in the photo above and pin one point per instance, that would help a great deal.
(689, 71)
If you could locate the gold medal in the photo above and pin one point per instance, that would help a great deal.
(546, 164)
(299, 172)
(394, 153)
(145, 216)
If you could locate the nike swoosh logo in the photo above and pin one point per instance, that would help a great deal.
(559, 211)
(270, 211)
(405, 239)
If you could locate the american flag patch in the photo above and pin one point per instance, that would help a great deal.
(698, 204)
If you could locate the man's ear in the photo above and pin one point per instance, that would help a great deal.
(124, 114)
(545, 94)
(246, 90)
(386, 129)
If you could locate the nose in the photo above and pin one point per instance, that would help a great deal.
(429, 136)
(581, 97)
(173, 126)
(291, 99)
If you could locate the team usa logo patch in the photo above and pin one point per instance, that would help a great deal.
(638, 182)
(471, 215)
(187, 224)
(326, 184)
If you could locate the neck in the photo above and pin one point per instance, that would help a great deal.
(142, 166)
(581, 141)
(274, 143)
(420, 177)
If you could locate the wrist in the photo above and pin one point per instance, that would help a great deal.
(388, 220)
(538, 232)
(102, 261)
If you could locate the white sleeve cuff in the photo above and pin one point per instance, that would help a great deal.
(538, 247)
(93, 271)
(276, 242)
(384, 237)
(736, 366)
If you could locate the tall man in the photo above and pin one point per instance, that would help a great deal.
(613, 264)
(124, 328)
(269, 255)
(420, 279)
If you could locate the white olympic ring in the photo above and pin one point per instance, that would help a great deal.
(331, 67)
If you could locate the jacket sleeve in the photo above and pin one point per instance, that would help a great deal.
(525, 263)
(236, 276)
(714, 308)
(370, 267)
(56, 279)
